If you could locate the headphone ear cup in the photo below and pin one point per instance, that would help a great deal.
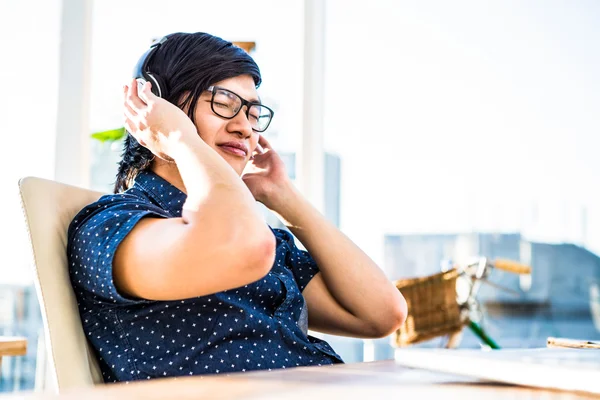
(158, 86)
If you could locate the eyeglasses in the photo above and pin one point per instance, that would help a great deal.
(227, 104)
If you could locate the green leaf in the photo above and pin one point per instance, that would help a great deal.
(110, 135)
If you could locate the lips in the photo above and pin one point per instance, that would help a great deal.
(235, 148)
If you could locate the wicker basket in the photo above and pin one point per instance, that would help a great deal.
(432, 308)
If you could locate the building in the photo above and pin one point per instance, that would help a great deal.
(561, 277)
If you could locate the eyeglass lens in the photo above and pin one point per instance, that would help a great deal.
(228, 104)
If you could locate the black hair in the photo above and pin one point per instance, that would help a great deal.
(186, 63)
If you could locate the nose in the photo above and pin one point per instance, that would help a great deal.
(240, 124)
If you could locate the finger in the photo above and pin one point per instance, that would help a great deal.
(146, 94)
(131, 113)
(130, 127)
(264, 143)
(134, 119)
(132, 98)
(257, 153)
(258, 149)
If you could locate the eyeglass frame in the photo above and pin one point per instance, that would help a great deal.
(245, 102)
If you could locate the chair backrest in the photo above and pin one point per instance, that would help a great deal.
(49, 208)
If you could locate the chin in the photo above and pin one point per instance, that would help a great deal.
(234, 162)
(238, 167)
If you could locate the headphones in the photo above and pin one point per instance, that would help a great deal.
(142, 74)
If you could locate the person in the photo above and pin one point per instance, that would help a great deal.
(177, 272)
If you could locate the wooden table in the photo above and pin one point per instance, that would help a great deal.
(374, 380)
(12, 346)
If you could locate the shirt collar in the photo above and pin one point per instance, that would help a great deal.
(161, 191)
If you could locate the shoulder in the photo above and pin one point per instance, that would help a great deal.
(113, 210)
(287, 241)
(94, 235)
(282, 234)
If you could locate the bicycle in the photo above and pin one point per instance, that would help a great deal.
(443, 304)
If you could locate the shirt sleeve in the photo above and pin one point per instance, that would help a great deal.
(93, 238)
(300, 262)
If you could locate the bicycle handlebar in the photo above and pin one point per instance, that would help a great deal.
(512, 266)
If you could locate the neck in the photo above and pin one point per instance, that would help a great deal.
(169, 172)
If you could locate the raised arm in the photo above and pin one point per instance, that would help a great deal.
(350, 295)
(219, 243)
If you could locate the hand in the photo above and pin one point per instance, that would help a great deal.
(154, 122)
(266, 177)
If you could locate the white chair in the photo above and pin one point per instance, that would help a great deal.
(49, 208)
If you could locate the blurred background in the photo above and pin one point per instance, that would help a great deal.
(427, 131)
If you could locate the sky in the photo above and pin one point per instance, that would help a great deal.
(448, 116)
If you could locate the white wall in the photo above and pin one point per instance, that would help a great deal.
(29, 69)
(485, 110)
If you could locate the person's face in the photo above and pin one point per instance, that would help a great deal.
(223, 134)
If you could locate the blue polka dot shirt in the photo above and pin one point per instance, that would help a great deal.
(260, 326)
